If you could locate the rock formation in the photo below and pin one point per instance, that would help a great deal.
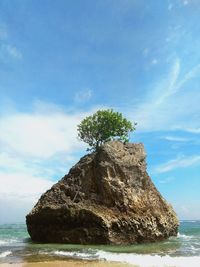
(106, 198)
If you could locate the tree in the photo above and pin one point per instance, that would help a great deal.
(104, 126)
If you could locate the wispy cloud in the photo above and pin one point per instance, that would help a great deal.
(193, 130)
(173, 4)
(11, 51)
(185, 2)
(170, 6)
(83, 96)
(166, 180)
(180, 162)
(6, 47)
(172, 104)
(175, 138)
(154, 61)
(194, 72)
(170, 87)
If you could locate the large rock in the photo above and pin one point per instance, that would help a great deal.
(107, 198)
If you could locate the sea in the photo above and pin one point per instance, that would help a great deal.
(183, 250)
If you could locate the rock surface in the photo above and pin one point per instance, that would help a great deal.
(107, 198)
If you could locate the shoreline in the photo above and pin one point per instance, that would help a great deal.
(69, 263)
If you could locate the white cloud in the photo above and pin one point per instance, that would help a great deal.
(23, 178)
(38, 167)
(193, 130)
(7, 49)
(36, 148)
(180, 162)
(8, 162)
(173, 103)
(39, 135)
(45, 133)
(170, 6)
(185, 2)
(154, 61)
(146, 51)
(19, 192)
(22, 186)
(18, 208)
(13, 51)
(187, 210)
(194, 72)
(176, 139)
(83, 96)
(166, 180)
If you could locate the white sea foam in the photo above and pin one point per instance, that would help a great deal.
(8, 241)
(136, 259)
(184, 236)
(77, 255)
(5, 254)
(2, 242)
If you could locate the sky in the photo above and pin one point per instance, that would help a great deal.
(60, 61)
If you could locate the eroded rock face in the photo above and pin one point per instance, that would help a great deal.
(107, 198)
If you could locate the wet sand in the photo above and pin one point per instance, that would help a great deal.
(67, 264)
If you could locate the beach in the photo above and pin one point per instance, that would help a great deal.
(66, 264)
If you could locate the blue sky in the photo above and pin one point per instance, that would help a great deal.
(62, 60)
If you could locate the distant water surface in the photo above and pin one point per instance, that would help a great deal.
(183, 250)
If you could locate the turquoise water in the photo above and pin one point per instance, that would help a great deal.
(183, 250)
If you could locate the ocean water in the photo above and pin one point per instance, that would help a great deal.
(183, 250)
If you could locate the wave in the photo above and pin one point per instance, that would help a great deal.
(8, 241)
(2, 242)
(5, 254)
(185, 236)
(92, 255)
(136, 259)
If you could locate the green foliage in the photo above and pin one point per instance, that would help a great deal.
(104, 126)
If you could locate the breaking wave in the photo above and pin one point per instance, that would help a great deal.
(183, 236)
(8, 241)
(5, 254)
(136, 259)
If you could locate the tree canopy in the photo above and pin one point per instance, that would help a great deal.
(104, 126)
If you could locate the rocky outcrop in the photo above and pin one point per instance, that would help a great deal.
(106, 198)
